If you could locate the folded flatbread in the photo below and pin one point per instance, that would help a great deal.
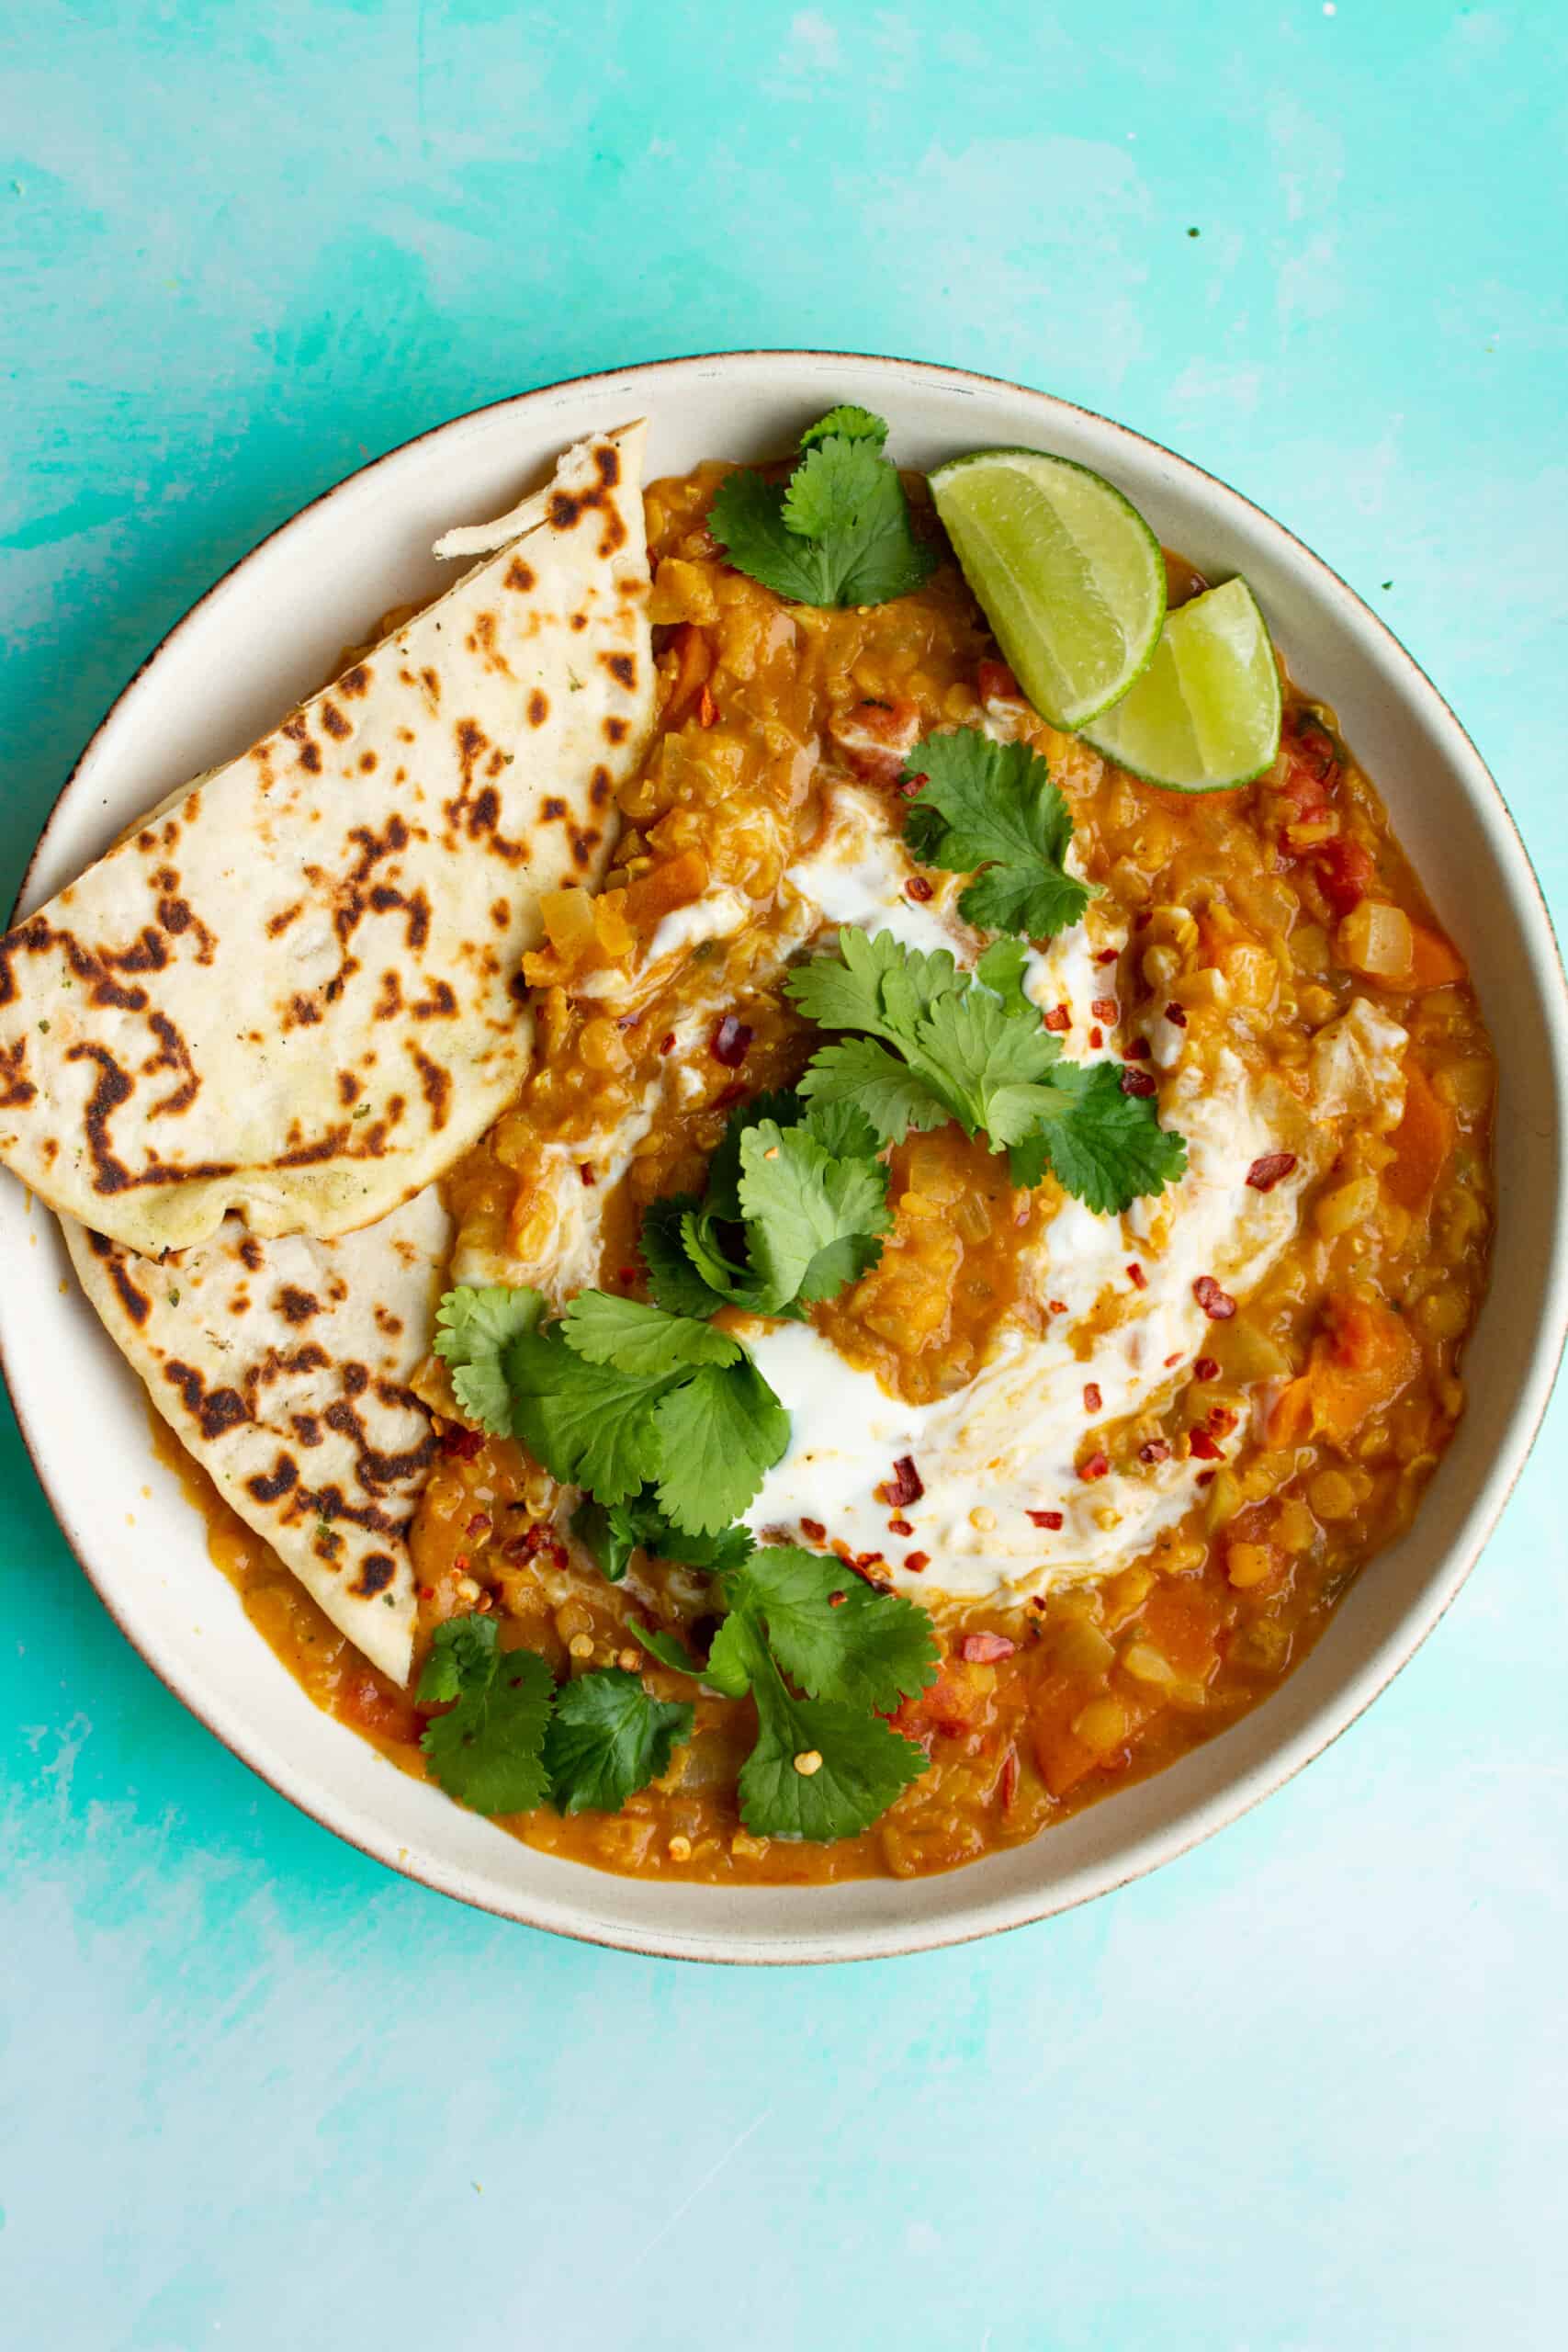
(283, 1367)
(294, 993)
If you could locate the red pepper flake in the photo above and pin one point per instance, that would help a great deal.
(1091, 1396)
(730, 1042)
(1106, 1009)
(1204, 1478)
(1142, 920)
(1049, 1518)
(735, 1093)
(666, 1043)
(909, 786)
(918, 889)
(837, 1600)
(1007, 1786)
(1205, 1369)
(1097, 1466)
(984, 1649)
(917, 1562)
(427, 1592)
(1265, 1173)
(1177, 1015)
(707, 709)
(1096, 1039)
(1200, 1442)
(1155, 1450)
(1056, 1306)
(813, 1529)
(1216, 1303)
(626, 1273)
(1136, 1276)
(1139, 1050)
(478, 1526)
(1221, 1421)
(1173, 1360)
(1138, 1081)
(900, 1527)
(1108, 955)
(464, 1444)
(906, 1485)
(1061, 1020)
(864, 1560)
(585, 1170)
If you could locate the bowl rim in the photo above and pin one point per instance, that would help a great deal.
(1248, 1787)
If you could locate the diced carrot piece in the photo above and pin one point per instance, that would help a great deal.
(1435, 963)
(1422, 1139)
(1182, 1619)
(1360, 1364)
(675, 882)
(693, 667)
(1289, 1418)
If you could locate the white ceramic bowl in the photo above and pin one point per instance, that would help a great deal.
(267, 633)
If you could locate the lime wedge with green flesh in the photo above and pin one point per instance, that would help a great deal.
(1204, 717)
(1065, 569)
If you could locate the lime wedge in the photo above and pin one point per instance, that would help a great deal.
(1066, 571)
(1205, 715)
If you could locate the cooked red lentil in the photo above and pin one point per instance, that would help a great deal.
(1244, 923)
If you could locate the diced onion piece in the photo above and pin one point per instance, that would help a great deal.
(1145, 1664)
(1376, 940)
(1101, 1725)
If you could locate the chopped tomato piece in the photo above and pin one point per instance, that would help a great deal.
(996, 683)
(372, 1705)
(873, 737)
(1344, 872)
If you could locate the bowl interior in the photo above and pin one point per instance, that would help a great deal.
(270, 631)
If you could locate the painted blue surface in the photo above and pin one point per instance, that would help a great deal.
(1305, 2088)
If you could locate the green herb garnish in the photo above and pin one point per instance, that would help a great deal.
(937, 1043)
(839, 533)
(991, 810)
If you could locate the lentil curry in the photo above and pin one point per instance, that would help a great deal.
(1216, 1406)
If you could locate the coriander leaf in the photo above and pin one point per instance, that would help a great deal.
(668, 1652)
(473, 1329)
(1001, 969)
(832, 1633)
(607, 1737)
(863, 1075)
(840, 534)
(993, 807)
(832, 487)
(643, 1341)
(719, 1431)
(1105, 1145)
(850, 423)
(714, 1266)
(747, 519)
(589, 1425)
(861, 1766)
(675, 1282)
(873, 983)
(721, 1198)
(843, 1130)
(613, 1534)
(813, 1222)
(462, 1653)
(989, 1063)
(486, 1750)
(733, 1655)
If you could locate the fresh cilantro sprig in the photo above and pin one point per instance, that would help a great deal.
(612, 1534)
(488, 1749)
(936, 1043)
(991, 810)
(796, 1206)
(838, 532)
(825, 1764)
(614, 1396)
(511, 1739)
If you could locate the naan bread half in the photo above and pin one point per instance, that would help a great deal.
(294, 993)
(282, 1367)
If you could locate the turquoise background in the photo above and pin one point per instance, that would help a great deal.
(1304, 2089)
